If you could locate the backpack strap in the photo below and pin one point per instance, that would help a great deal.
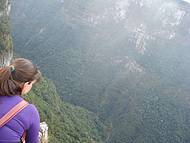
(13, 112)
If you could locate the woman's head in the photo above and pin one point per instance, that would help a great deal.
(18, 77)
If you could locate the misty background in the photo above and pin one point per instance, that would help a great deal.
(127, 61)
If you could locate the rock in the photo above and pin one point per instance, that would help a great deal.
(6, 48)
(43, 135)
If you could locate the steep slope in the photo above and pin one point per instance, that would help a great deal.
(6, 50)
(90, 42)
(67, 123)
(126, 60)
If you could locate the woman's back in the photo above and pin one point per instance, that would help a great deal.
(27, 120)
(16, 80)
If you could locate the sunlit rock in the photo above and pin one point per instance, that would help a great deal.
(43, 135)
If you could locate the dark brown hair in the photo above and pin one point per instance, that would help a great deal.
(13, 77)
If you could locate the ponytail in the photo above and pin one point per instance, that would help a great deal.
(13, 77)
(7, 85)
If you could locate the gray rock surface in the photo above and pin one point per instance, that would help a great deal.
(6, 51)
(43, 136)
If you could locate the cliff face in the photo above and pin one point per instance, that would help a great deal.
(6, 50)
(5, 8)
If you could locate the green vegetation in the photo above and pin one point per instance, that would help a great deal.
(67, 123)
(146, 111)
(5, 35)
(93, 59)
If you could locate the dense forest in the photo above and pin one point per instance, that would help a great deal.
(67, 123)
(127, 61)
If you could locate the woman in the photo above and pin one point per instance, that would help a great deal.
(15, 81)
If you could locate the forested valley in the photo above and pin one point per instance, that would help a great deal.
(125, 61)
